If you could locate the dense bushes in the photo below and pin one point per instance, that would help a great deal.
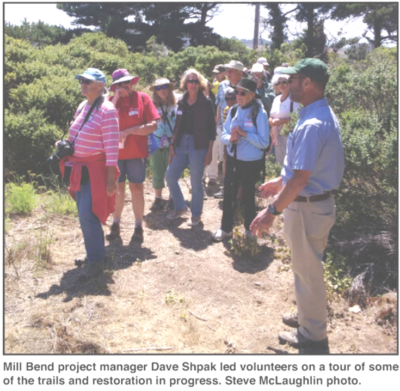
(364, 97)
(41, 95)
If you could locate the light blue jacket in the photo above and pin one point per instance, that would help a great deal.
(249, 148)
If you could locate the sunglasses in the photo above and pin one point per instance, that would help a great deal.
(282, 82)
(123, 83)
(192, 81)
(85, 81)
(294, 78)
(227, 99)
(164, 87)
(241, 93)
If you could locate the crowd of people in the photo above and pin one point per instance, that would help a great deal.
(230, 124)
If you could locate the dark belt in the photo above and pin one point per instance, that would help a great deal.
(314, 198)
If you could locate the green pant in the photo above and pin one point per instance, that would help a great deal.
(159, 164)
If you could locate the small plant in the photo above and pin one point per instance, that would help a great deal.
(272, 169)
(172, 297)
(287, 128)
(282, 253)
(43, 252)
(283, 268)
(20, 198)
(244, 245)
(336, 277)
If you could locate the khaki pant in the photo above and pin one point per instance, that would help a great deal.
(306, 229)
(280, 149)
(217, 153)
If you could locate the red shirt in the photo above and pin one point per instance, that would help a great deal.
(135, 109)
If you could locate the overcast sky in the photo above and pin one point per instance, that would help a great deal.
(233, 20)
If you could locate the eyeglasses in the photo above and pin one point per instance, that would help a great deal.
(227, 99)
(241, 93)
(294, 78)
(192, 81)
(163, 87)
(284, 82)
(85, 81)
(123, 83)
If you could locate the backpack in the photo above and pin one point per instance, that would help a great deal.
(254, 120)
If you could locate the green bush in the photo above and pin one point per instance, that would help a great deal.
(60, 202)
(363, 95)
(336, 275)
(20, 198)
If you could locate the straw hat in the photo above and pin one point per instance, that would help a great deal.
(161, 82)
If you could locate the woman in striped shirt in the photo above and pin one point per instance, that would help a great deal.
(93, 166)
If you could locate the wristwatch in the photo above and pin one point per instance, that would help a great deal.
(272, 210)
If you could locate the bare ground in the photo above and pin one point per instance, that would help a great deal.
(176, 293)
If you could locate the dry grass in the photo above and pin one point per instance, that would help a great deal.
(175, 293)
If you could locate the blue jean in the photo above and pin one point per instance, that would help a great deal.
(186, 155)
(92, 230)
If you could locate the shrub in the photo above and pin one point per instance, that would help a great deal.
(60, 202)
(20, 198)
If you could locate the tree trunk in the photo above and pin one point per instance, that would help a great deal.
(256, 26)
(377, 33)
(204, 10)
(310, 30)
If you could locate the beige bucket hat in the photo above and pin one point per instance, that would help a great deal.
(161, 82)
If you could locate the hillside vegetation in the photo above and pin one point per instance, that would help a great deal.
(41, 96)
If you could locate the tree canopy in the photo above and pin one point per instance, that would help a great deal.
(381, 19)
(173, 24)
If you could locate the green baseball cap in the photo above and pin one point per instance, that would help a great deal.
(311, 67)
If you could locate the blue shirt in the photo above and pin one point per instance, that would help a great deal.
(251, 147)
(315, 145)
(163, 128)
(220, 98)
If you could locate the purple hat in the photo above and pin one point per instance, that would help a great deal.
(121, 75)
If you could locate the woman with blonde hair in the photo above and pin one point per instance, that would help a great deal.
(191, 144)
(165, 102)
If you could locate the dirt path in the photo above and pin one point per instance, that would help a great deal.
(177, 292)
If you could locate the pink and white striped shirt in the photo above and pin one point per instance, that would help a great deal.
(100, 134)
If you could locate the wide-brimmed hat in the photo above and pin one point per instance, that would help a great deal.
(218, 69)
(161, 82)
(121, 75)
(235, 65)
(263, 60)
(257, 67)
(92, 74)
(311, 67)
(248, 85)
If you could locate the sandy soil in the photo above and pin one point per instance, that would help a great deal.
(176, 293)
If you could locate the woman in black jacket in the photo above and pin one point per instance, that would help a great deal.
(191, 145)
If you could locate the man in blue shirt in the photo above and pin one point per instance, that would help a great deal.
(313, 166)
